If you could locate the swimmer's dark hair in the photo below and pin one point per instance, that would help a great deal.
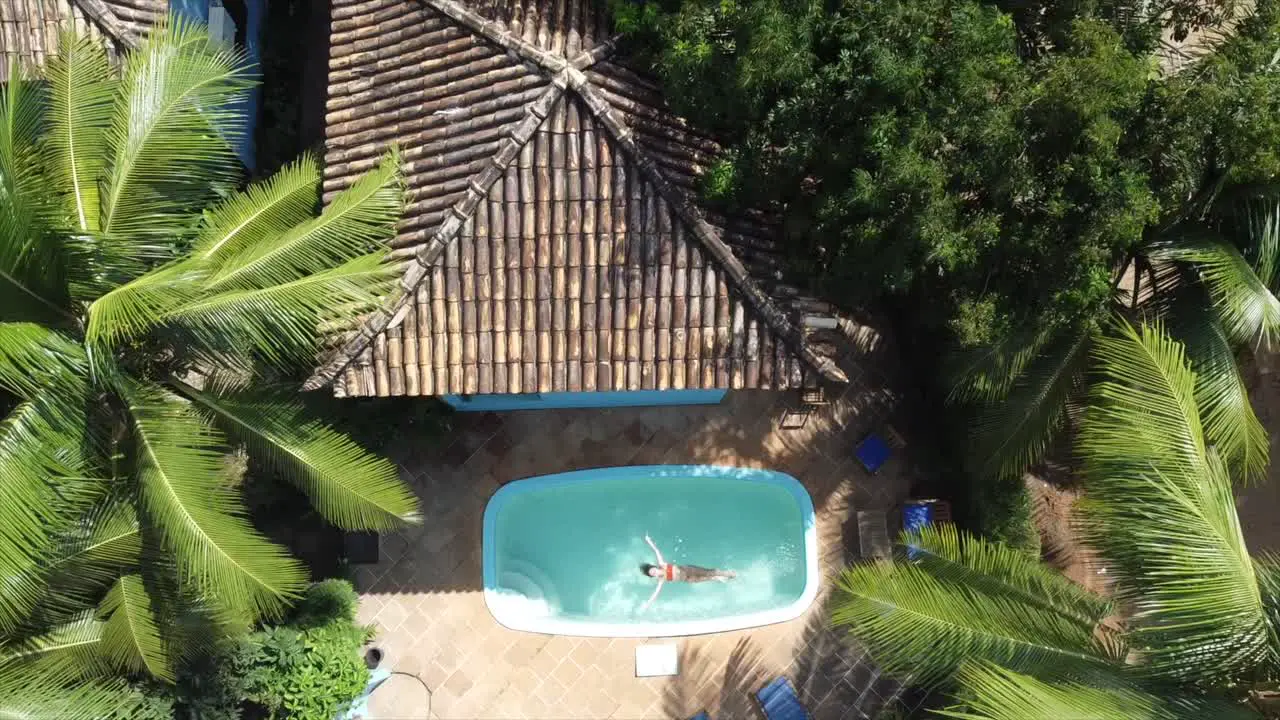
(646, 567)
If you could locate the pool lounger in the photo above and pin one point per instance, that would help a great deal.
(701, 716)
(778, 701)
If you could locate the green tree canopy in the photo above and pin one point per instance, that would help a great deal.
(146, 304)
(914, 150)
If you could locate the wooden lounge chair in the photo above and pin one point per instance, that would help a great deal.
(779, 701)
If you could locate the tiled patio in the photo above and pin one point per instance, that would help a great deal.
(425, 597)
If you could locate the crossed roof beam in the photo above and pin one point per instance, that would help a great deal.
(565, 74)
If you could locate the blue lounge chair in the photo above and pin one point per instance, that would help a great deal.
(872, 452)
(778, 701)
(701, 716)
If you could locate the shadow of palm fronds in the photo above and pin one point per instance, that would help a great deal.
(835, 676)
(722, 687)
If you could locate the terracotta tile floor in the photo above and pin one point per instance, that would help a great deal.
(425, 598)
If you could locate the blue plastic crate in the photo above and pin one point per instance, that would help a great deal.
(872, 452)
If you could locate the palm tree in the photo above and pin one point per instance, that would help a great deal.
(1207, 269)
(1212, 281)
(144, 305)
(1192, 632)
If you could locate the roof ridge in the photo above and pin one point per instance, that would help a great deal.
(564, 74)
(493, 31)
(707, 234)
(425, 257)
(691, 216)
(98, 11)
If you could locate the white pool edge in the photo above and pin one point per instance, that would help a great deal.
(584, 628)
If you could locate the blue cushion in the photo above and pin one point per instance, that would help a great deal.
(872, 453)
(779, 701)
(701, 716)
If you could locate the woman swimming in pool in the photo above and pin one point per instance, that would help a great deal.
(665, 571)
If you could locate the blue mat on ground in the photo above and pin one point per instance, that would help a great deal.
(872, 452)
(778, 701)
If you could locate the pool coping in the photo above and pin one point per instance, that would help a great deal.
(582, 628)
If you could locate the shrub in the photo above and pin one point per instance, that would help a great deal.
(306, 669)
(311, 668)
(1005, 513)
(325, 602)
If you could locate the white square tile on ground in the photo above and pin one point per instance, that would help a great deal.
(657, 660)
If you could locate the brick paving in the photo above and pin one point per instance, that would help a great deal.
(424, 595)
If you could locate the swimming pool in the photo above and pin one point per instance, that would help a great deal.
(562, 553)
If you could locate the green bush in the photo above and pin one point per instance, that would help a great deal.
(311, 668)
(1005, 513)
(308, 674)
(326, 602)
(308, 668)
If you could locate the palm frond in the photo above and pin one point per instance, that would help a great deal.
(358, 221)
(131, 309)
(28, 696)
(82, 94)
(31, 266)
(1257, 227)
(131, 638)
(35, 360)
(1267, 566)
(990, 692)
(1013, 434)
(22, 115)
(1230, 424)
(1160, 510)
(68, 652)
(168, 139)
(350, 487)
(91, 556)
(1249, 311)
(185, 493)
(1145, 374)
(262, 212)
(40, 499)
(987, 374)
(281, 322)
(956, 556)
(109, 541)
(917, 620)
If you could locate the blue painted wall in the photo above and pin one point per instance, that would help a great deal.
(256, 10)
(544, 401)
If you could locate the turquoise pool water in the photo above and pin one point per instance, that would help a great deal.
(563, 553)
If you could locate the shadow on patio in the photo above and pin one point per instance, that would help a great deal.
(832, 674)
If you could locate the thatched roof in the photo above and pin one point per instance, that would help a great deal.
(551, 241)
(29, 29)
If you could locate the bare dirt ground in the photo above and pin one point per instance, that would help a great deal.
(1054, 508)
(1259, 506)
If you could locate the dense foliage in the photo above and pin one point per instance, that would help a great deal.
(915, 150)
(151, 317)
(992, 173)
(1192, 632)
(312, 667)
(308, 667)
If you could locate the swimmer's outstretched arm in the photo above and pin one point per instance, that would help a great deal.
(656, 553)
(654, 596)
